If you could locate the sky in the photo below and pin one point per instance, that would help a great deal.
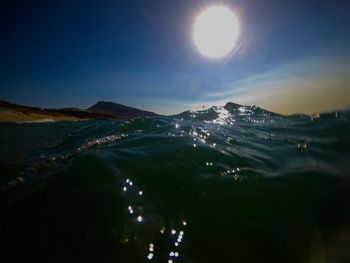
(292, 56)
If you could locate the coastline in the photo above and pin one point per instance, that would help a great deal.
(14, 116)
(13, 113)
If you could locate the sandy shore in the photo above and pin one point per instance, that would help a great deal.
(9, 115)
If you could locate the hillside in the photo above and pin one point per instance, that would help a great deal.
(111, 108)
(10, 112)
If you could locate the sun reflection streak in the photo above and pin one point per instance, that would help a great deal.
(175, 232)
(150, 256)
(224, 116)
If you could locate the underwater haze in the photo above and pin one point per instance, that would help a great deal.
(227, 184)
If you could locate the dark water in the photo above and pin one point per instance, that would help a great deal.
(222, 185)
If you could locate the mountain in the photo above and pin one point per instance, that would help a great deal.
(111, 108)
(10, 112)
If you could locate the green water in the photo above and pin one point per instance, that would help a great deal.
(234, 184)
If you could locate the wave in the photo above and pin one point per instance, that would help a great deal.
(201, 186)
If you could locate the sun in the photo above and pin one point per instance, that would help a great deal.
(215, 31)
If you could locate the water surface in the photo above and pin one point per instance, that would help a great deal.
(228, 184)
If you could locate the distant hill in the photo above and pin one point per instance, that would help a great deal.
(10, 112)
(111, 108)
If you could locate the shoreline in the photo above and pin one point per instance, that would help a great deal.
(12, 113)
(13, 116)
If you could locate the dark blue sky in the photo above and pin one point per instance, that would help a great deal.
(141, 52)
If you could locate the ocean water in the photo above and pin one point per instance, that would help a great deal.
(228, 184)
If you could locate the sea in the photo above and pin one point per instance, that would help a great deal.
(227, 184)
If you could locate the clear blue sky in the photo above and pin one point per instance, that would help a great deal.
(140, 52)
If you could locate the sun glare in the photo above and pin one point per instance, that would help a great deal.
(215, 31)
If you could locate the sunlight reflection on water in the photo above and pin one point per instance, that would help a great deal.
(165, 171)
